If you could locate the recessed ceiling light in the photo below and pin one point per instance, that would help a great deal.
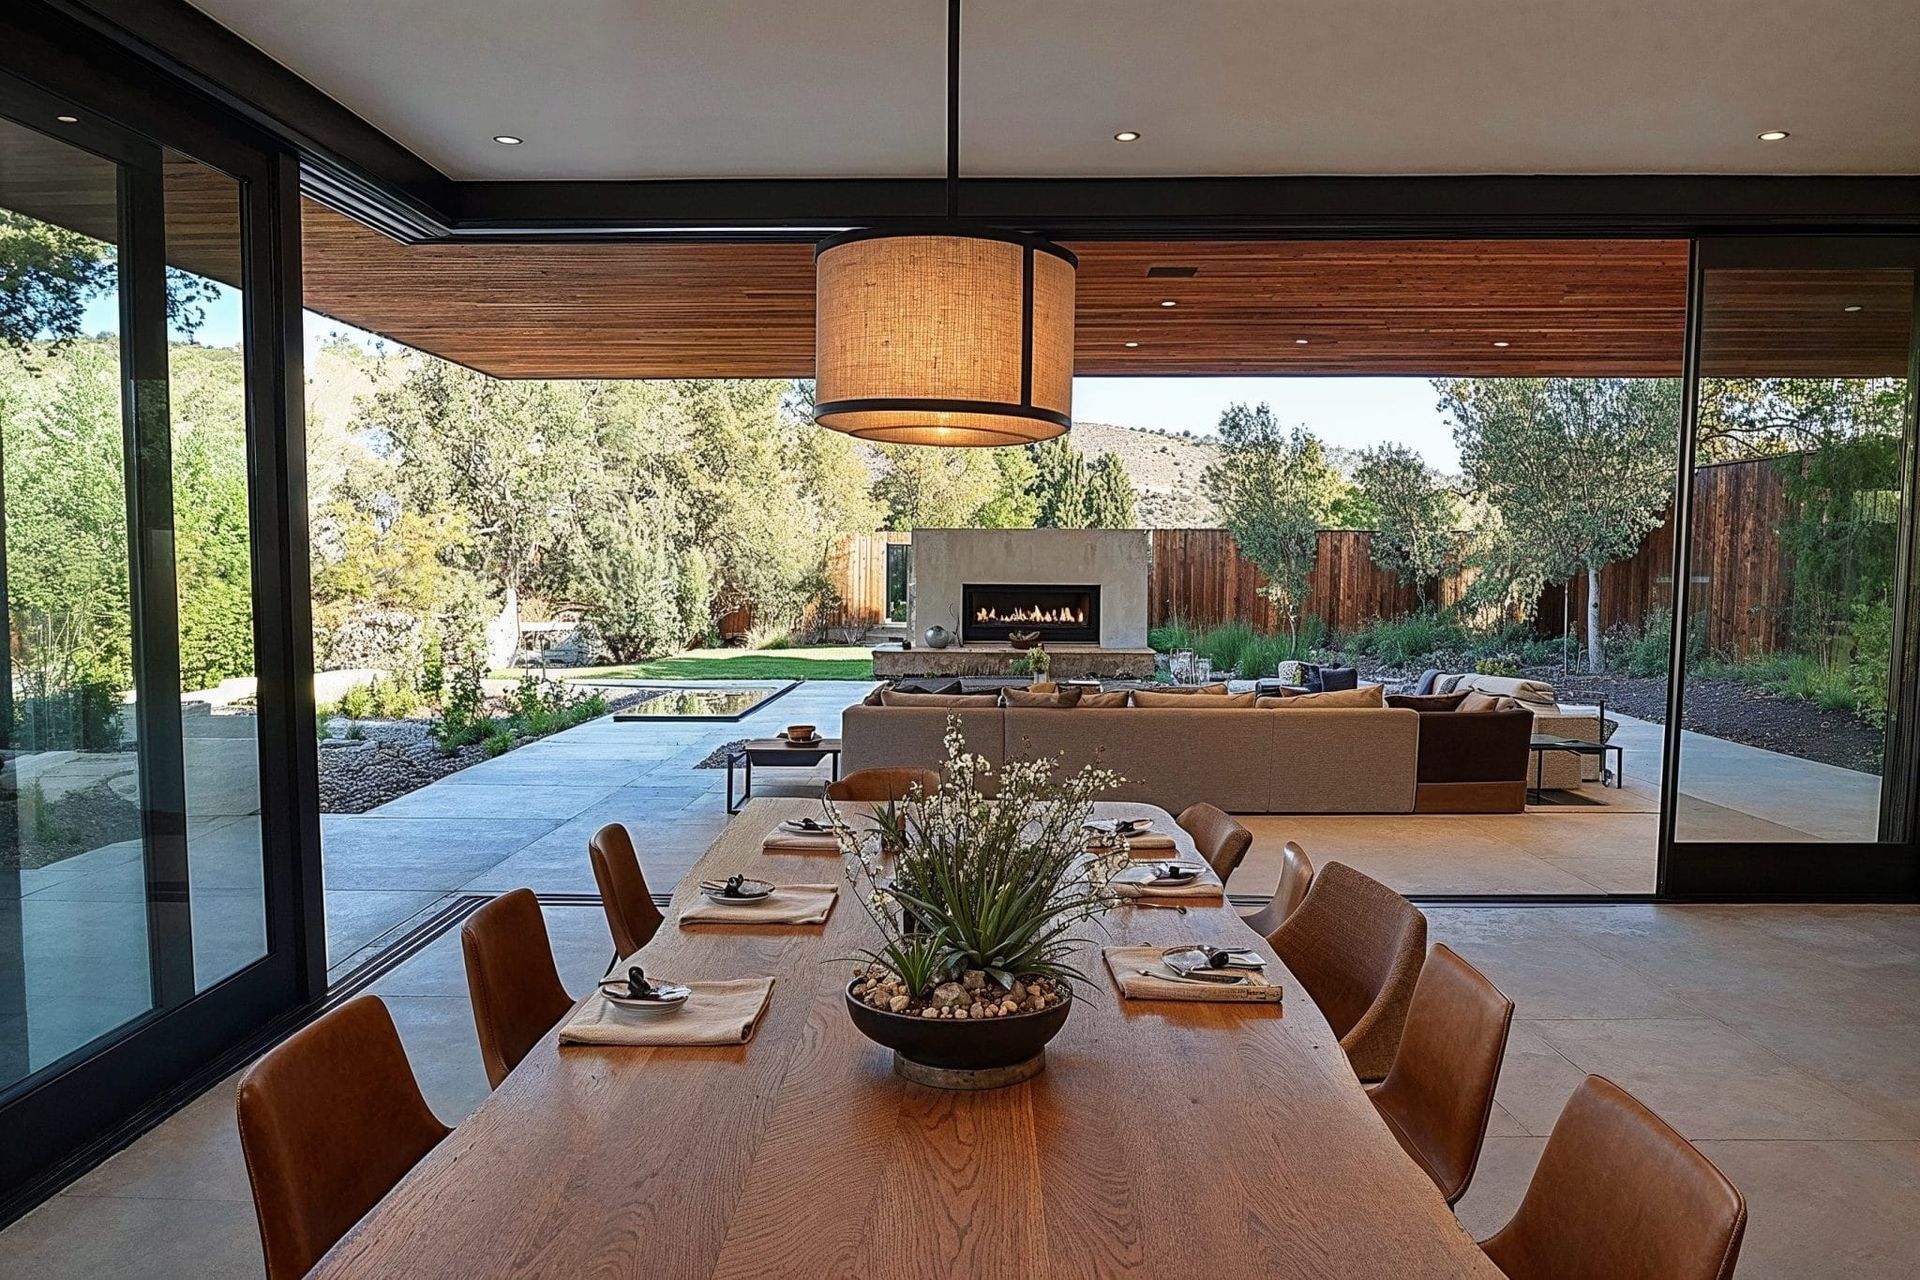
(507, 140)
(1168, 302)
(1126, 135)
(1854, 307)
(1501, 343)
(68, 119)
(1300, 342)
(1774, 135)
(1129, 344)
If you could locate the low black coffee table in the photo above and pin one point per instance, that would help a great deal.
(1541, 743)
(774, 753)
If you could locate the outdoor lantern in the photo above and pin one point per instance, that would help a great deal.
(958, 338)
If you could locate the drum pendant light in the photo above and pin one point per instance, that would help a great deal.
(956, 336)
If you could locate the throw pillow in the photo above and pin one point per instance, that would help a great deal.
(1193, 701)
(1043, 686)
(1427, 679)
(1118, 698)
(894, 698)
(1292, 672)
(1028, 698)
(1478, 701)
(1188, 689)
(1333, 679)
(1428, 702)
(1366, 695)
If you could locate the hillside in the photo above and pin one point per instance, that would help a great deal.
(1166, 470)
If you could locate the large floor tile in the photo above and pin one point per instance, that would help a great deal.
(195, 1155)
(110, 1238)
(369, 851)
(495, 800)
(356, 917)
(1841, 1209)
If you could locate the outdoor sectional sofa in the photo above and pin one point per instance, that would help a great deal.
(1243, 759)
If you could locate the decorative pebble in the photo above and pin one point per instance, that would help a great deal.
(929, 1012)
(897, 1003)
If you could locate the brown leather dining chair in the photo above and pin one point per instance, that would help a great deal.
(1221, 841)
(1618, 1195)
(516, 990)
(1296, 877)
(1356, 946)
(330, 1119)
(883, 784)
(1439, 1092)
(632, 917)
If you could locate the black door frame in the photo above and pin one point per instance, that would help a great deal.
(66, 1116)
(1852, 871)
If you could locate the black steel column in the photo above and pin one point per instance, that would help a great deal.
(156, 639)
(1682, 563)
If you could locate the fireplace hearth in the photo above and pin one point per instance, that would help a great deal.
(993, 611)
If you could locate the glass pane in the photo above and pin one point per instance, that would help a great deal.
(73, 900)
(213, 568)
(1797, 498)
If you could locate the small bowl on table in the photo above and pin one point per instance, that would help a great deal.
(801, 735)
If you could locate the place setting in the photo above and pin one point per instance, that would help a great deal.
(1169, 878)
(1141, 838)
(805, 835)
(1194, 971)
(741, 899)
(636, 1010)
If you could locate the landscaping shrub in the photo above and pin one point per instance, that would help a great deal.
(1405, 640)
(461, 722)
(1171, 635)
(357, 703)
(1872, 659)
(1504, 664)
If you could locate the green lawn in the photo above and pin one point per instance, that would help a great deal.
(826, 662)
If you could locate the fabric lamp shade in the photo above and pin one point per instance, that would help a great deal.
(950, 339)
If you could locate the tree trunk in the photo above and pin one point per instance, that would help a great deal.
(1595, 658)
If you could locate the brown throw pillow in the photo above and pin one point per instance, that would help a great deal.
(1043, 686)
(1366, 695)
(1428, 701)
(1188, 689)
(1028, 698)
(1118, 698)
(1478, 701)
(894, 698)
(1192, 701)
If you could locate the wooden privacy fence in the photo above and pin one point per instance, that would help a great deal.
(1741, 579)
(857, 567)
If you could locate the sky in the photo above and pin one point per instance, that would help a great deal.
(1351, 413)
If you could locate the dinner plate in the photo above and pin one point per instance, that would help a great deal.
(666, 996)
(1193, 961)
(1189, 872)
(796, 827)
(751, 891)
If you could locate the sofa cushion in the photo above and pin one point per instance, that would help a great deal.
(1366, 695)
(1189, 689)
(1341, 760)
(1195, 701)
(1532, 691)
(1429, 702)
(894, 698)
(1118, 698)
(1180, 756)
(1037, 698)
(915, 736)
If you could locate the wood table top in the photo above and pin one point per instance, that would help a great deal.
(1163, 1139)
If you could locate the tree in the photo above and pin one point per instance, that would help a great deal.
(1274, 489)
(1111, 500)
(1415, 514)
(1060, 484)
(1013, 504)
(1578, 469)
(931, 488)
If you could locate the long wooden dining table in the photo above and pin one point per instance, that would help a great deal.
(1163, 1139)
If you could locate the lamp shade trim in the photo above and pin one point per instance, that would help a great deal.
(963, 231)
(898, 404)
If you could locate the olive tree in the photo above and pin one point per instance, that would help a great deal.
(1416, 514)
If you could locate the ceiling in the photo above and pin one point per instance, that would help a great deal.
(854, 88)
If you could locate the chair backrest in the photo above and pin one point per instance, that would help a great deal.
(1221, 841)
(1356, 946)
(883, 784)
(517, 995)
(1618, 1194)
(1296, 877)
(330, 1119)
(1439, 1092)
(632, 917)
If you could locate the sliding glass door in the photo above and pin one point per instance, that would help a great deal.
(1791, 773)
(154, 908)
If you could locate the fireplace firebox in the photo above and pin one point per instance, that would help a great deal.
(991, 611)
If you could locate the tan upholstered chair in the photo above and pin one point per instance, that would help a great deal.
(330, 1120)
(882, 784)
(1221, 841)
(517, 996)
(1439, 1092)
(1296, 877)
(1618, 1195)
(632, 917)
(1356, 946)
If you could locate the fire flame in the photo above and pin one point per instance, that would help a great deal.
(1029, 616)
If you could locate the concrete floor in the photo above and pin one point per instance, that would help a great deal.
(1784, 1040)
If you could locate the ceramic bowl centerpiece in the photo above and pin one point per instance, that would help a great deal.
(1023, 639)
(972, 973)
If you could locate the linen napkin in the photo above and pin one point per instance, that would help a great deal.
(790, 904)
(725, 1012)
(780, 840)
(1125, 963)
(1151, 844)
(1132, 883)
